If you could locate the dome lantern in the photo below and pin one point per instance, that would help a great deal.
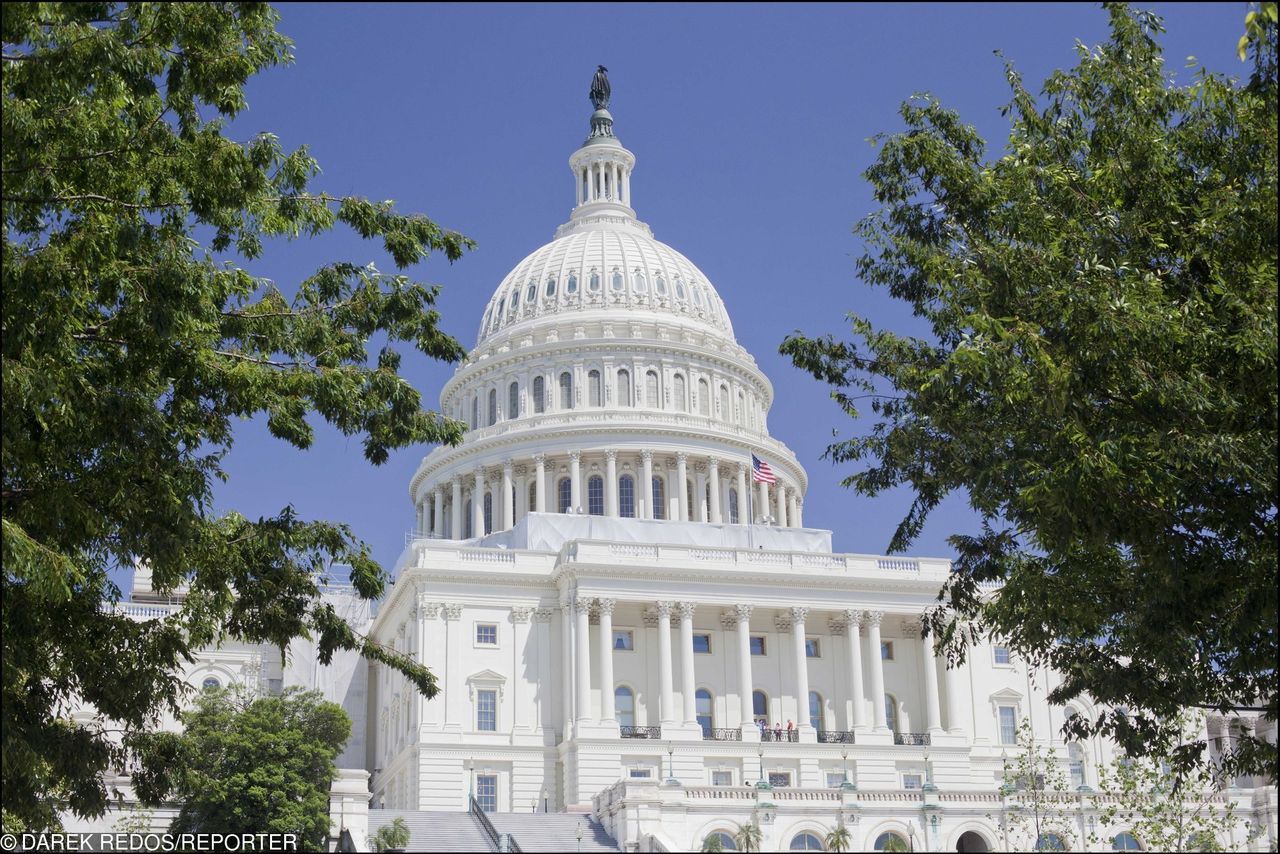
(602, 167)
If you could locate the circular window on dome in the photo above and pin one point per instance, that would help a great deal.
(594, 282)
(618, 284)
(680, 294)
(638, 282)
(660, 285)
(551, 286)
(532, 293)
(571, 286)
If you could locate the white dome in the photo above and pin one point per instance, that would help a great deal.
(599, 270)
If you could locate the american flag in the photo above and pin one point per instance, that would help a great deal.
(760, 471)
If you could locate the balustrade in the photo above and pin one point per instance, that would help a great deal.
(911, 738)
(835, 737)
(640, 731)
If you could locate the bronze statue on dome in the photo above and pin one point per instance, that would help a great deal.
(600, 90)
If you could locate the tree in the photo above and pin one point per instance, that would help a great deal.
(838, 839)
(391, 836)
(1100, 380)
(748, 837)
(1038, 799)
(133, 339)
(247, 764)
(1142, 797)
(712, 844)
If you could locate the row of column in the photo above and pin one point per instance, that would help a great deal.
(604, 180)
(782, 505)
(579, 610)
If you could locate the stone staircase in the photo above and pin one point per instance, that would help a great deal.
(553, 831)
(435, 831)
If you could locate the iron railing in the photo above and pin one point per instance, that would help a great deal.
(722, 734)
(500, 841)
(779, 735)
(831, 736)
(640, 731)
(916, 738)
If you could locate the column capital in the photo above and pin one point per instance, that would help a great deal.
(852, 618)
(798, 614)
(650, 617)
(713, 463)
(426, 608)
(782, 622)
(836, 626)
(520, 614)
(543, 615)
(575, 456)
(508, 467)
(911, 628)
(685, 609)
(611, 455)
(539, 460)
(728, 620)
(663, 609)
(681, 456)
(646, 455)
(581, 604)
(606, 605)
(456, 481)
(873, 618)
(743, 612)
(453, 612)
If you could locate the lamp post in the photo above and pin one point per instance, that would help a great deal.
(579, 836)
(911, 834)
(760, 756)
(844, 754)
(671, 766)
(544, 799)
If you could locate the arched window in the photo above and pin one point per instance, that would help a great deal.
(890, 841)
(467, 526)
(488, 512)
(595, 495)
(725, 841)
(539, 394)
(704, 398)
(617, 284)
(493, 406)
(806, 842)
(1050, 842)
(660, 285)
(475, 412)
(742, 410)
(497, 315)
(624, 388)
(531, 294)
(891, 712)
(627, 496)
(564, 494)
(733, 506)
(533, 496)
(515, 298)
(624, 705)
(659, 499)
(593, 388)
(571, 286)
(513, 400)
(706, 718)
(682, 404)
(760, 707)
(688, 499)
(566, 390)
(815, 711)
(210, 683)
(551, 286)
(1075, 758)
(1125, 841)
(594, 282)
(726, 412)
(679, 289)
(639, 283)
(651, 390)
(697, 296)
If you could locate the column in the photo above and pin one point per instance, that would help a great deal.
(713, 465)
(745, 686)
(853, 621)
(455, 715)
(780, 496)
(605, 608)
(521, 705)
(437, 526)
(540, 482)
(579, 183)
(932, 712)
(582, 629)
(575, 480)
(611, 483)
(567, 716)
(477, 504)
(877, 669)
(664, 663)
(762, 506)
(626, 188)
(700, 493)
(793, 511)
(646, 486)
(687, 684)
(508, 498)
(682, 491)
(955, 709)
(802, 667)
(799, 512)
(456, 512)
(522, 492)
(543, 715)
(433, 652)
(744, 499)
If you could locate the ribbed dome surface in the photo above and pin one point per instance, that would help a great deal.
(615, 271)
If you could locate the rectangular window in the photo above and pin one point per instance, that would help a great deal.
(812, 648)
(487, 792)
(722, 778)
(912, 781)
(835, 779)
(486, 634)
(624, 639)
(487, 711)
(640, 773)
(780, 779)
(702, 643)
(1008, 725)
(886, 650)
(758, 646)
(1000, 654)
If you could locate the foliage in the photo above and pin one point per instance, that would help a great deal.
(748, 837)
(135, 820)
(838, 839)
(1037, 795)
(251, 765)
(394, 835)
(895, 843)
(1168, 815)
(1100, 380)
(132, 342)
(712, 844)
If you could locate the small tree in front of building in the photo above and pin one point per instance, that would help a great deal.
(838, 839)
(1038, 798)
(748, 837)
(392, 837)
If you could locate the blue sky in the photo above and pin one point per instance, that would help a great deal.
(750, 127)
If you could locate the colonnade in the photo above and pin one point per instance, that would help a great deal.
(681, 487)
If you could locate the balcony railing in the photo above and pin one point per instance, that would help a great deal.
(917, 738)
(835, 736)
(779, 735)
(640, 731)
(722, 734)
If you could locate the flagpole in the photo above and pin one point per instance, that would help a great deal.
(751, 513)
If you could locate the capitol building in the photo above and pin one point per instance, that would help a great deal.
(637, 639)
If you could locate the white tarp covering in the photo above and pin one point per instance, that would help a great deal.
(550, 531)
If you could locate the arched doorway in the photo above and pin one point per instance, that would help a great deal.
(971, 841)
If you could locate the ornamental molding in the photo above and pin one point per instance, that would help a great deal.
(650, 618)
(543, 615)
(452, 612)
(520, 614)
(686, 609)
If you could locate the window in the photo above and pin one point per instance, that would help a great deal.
(467, 522)
(571, 286)
(475, 412)
(539, 394)
(651, 390)
(1000, 654)
(742, 410)
(594, 394)
(638, 282)
(515, 299)
(725, 841)
(533, 497)
(660, 285)
(624, 388)
(679, 289)
(594, 282)
(624, 705)
(640, 773)
(1008, 716)
(531, 294)
(722, 778)
(617, 282)
(564, 492)
(487, 710)
(886, 650)
(487, 792)
(912, 780)
(624, 639)
(706, 719)
(493, 407)
(486, 634)
(806, 842)
(513, 400)
(835, 779)
(760, 707)
(704, 398)
(891, 842)
(210, 683)
(733, 508)
(659, 499)
(815, 710)
(780, 779)
(1125, 841)
(682, 405)
(488, 513)
(702, 643)
(891, 712)
(595, 495)
(551, 286)
(724, 402)
(627, 497)
(566, 390)
(1075, 756)
(758, 646)
(812, 648)
(1050, 842)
